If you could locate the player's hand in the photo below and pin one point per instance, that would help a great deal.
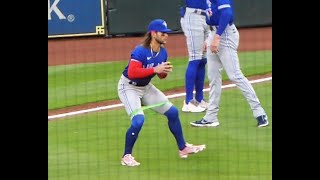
(164, 67)
(205, 46)
(215, 44)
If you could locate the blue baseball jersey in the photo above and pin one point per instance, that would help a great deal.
(197, 4)
(222, 14)
(148, 59)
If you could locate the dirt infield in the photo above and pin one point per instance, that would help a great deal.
(100, 49)
(97, 49)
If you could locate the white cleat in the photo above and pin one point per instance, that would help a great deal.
(192, 107)
(203, 104)
(128, 160)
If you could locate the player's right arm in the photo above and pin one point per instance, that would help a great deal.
(135, 69)
(138, 67)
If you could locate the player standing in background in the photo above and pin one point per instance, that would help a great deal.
(222, 45)
(134, 89)
(193, 24)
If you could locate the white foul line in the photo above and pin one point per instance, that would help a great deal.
(119, 105)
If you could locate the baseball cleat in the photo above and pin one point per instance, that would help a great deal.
(191, 149)
(192, 107)
(203, 104)
(204, 123)
(262, 121)
(128, 160)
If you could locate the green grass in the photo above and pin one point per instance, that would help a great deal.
(72, 85)
(90, 146)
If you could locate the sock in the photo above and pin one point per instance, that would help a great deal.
(175, 126)
(190, 79)
(133, 132)
(200, 77)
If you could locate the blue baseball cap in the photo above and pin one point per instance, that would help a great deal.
(158, 25)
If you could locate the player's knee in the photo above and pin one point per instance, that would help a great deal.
(210, 77)
(137, 121)
(192, 69)
(172, 113)
(236, 78)
(203, 62)
(214, 76)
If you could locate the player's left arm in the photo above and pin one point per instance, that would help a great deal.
(226, 15)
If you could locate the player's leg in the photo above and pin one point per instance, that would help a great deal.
(215, 82)
(190, 79)
(131, 137)
(200, 78)
(185, 26)
(154, 96)
(130, 96)
(229, 58)
(193, 30)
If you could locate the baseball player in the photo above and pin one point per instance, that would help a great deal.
(135, 89)
(193, 24)
(222, 45)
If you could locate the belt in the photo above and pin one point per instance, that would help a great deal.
(200, 12)
(132, 82)
(136, 84)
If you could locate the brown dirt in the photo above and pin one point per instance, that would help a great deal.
(97, 49)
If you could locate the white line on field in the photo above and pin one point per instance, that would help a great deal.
(119, 105)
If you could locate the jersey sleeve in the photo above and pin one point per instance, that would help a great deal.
(137, 54)
(135, 68)
(222, 2)
(226, 14)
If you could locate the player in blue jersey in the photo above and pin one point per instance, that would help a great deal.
(193, 24)
(222, 45)
(135, 89)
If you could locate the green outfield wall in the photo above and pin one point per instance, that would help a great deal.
(132, 17)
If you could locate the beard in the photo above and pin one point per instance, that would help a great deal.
(160, 41)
